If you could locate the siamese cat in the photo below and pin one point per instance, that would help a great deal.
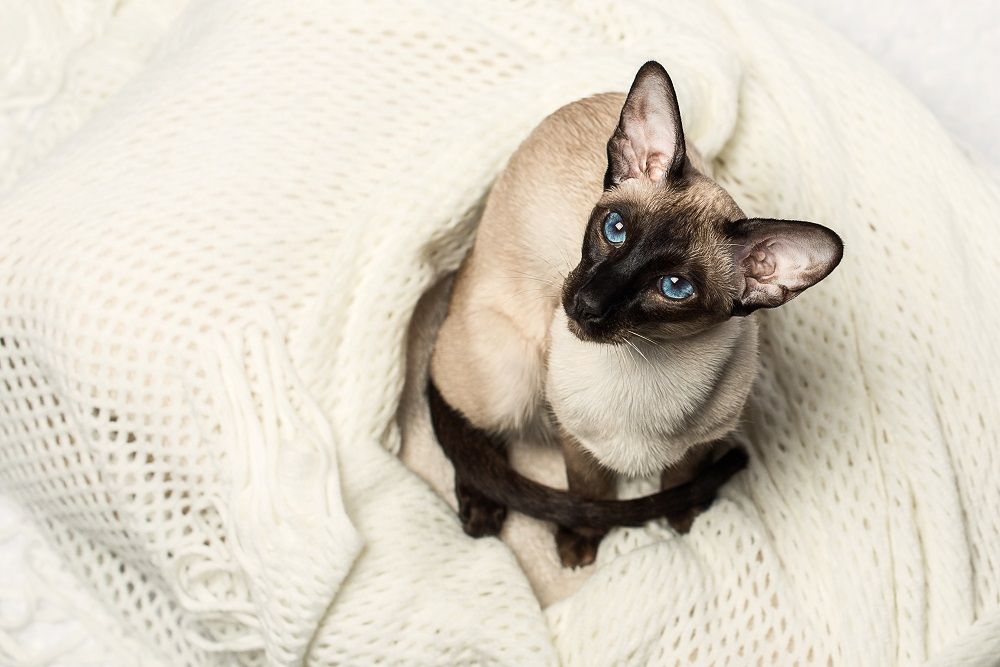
(606, 305)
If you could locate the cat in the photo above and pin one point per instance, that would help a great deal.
(607, 305)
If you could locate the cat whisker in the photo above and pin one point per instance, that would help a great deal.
(538, 280)
(624, 353)
(645, 338)
(634, 347)
(568, 264)
(552, 266)
(541, 294)
(622, 356)
(531, 277)
(537, 288)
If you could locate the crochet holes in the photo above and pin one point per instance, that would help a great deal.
(238, 170)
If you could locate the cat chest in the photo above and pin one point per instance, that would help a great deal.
(630, 408)
(599, 391)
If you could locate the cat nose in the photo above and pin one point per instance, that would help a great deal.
(588, 307)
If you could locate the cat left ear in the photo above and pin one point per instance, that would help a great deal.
(780, 259)
(649, 139)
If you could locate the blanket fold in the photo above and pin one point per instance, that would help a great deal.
(217, 299)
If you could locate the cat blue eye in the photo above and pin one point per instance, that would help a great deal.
(614, 228)
(675, 287)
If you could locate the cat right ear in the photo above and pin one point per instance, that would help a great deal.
(649, 139)
(780, 259)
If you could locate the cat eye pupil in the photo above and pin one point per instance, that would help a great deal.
(614, 228)
(676, 287)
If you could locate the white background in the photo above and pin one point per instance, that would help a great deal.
(946, 52)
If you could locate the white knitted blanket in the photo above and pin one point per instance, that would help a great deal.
(205, 300)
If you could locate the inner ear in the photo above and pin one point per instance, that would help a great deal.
(780, 259)
(649, 139)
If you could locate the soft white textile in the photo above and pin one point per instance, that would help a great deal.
(204, 305)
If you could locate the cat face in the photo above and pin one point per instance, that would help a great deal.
(665, 269)
(667, 252)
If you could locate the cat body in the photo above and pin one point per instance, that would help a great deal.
(505, 354)
(605, 304)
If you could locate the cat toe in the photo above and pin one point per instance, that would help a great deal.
(482, 518)
(576, 550)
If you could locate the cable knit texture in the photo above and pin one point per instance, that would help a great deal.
(206, 297)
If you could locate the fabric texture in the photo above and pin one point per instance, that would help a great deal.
(210, 362)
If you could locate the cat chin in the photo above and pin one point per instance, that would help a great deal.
(587, 335)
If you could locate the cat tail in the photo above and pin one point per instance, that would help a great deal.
(481, 462)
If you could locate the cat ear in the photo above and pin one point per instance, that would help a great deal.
(649, 140)
(779, 259)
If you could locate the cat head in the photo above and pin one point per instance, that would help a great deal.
(667, 252)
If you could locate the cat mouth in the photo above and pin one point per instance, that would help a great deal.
(594, 332)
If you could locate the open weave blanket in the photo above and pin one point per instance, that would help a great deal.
(206, 297)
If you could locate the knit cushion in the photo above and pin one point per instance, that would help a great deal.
(206, 298)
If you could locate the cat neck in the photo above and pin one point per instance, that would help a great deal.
(638, 407)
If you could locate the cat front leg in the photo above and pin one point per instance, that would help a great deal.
(697, 459)
(586, 478)
(480, 516)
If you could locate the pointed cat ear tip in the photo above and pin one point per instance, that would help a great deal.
(839, 251)
(831, 237)
(835, 247)
(837, 244)
(653, 69)
(652, 66)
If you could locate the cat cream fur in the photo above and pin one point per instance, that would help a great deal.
(504, 355)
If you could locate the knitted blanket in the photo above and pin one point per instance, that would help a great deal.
(212, 340)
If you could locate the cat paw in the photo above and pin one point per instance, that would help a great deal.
(481, 517)
(483, 520)
(576, 550)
